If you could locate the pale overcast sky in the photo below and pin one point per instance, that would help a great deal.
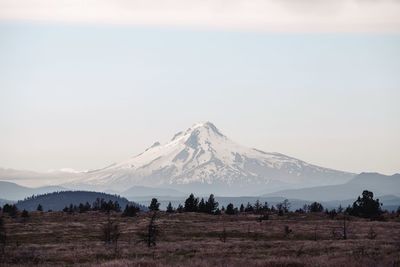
(87, 83)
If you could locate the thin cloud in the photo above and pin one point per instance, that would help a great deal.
(255, 15)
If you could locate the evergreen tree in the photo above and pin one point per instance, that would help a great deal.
(286, 205)
(170, 209)
(265, 207)
(241, 208)
(249, 208)
(39, 207)
(315, 207)
(366, 206)
(257, 207)
(202, 206)
(154, 205)
(230, 210)
(130, 210)
(25, 214)
(191, 204)
(12, 210)
(211, 204)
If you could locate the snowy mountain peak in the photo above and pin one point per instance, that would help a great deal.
(202, 128)
(202, 157)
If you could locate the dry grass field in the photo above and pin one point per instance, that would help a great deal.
(189, 239)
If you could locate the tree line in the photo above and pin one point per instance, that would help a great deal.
(365, 206)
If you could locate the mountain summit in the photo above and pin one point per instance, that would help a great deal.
(202, 159)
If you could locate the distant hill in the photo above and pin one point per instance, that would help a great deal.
(379, 184)
(12, 191)
(143, 191)
(56, 201)
(5, 201)
(37, 178)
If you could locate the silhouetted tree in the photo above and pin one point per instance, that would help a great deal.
(170, 209)
(25, 214)
(84, 207)
(332, 214)
(106, 206)
(130, 210)
(257, 207)
(150, 237)
(202, 206)
(230, 210)
(154, 205)
(265, 208)
(39, 207)
(241, 208)
(211, 204)
(279, 207)
(283, 207)
(315, 207)
(11, 210)
(249, 208)
(366, 206)
(286, 205)
(191, 204)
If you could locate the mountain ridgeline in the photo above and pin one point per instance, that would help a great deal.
(57, 201)
(378, 183)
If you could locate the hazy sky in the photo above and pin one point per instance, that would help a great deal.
(83, 88)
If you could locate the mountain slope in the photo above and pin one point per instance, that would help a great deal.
(379, 184)
(202, 159)
(12, 191)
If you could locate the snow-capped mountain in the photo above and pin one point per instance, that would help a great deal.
(202, 159)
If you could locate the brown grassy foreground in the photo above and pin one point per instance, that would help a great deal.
(59, 239)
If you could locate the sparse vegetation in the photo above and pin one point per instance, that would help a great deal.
(3, 237)
(268, 237)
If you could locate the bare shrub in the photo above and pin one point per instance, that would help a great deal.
(3, 237)
(287, 231)
(150, 236)
(111, 233)
(371, 233)
(223, 235)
